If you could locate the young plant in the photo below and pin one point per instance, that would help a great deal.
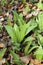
(18, 34)
(29, 41)
(20, 29)
(39, 53)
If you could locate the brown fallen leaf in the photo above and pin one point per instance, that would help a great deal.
(35, 62)
(25, 59)
(34, 13)
(2, 61)
(9, 15)
(2, 45)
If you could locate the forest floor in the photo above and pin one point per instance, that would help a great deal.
(29, 10)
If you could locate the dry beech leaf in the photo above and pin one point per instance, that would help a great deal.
(9, 16)
(35, 62)
(2, 44)
(25, 59)
(34, 13)
(2, 61)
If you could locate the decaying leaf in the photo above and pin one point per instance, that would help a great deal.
(2, 61)
(25, 59)
(2, 44)
(35, 62)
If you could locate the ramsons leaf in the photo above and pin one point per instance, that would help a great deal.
(11, 33)
(16, 58)
(2, 53)
(39, 53)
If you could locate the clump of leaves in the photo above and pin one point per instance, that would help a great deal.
(18, 33)
(39, 30)
(16, 58)
(3, 2)
(40, 5)
(20, 29)
(39, 53)
(40, 21)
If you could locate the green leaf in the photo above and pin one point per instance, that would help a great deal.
(40, 5)
(17, 32)
(40, 39)
(39, 53)
(21, 19)
(16, 58)
(11, 1)
(16, 18)
(30, 26)
(11, 33)
(40, 21)
(27, 47)
(27, 9)
(22, 32)
(3, 2)
(21, 15)
(9, 22)
(2, 53)
(28, 39)
(31, 49)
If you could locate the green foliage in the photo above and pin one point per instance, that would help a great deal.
(29, 42)
(40, 39)
(27, 8)
(11, 33)
(20, 30)
(2, 52)
(16, 58)
(31, 25)
(3, 2)
(18, 18)
(37, 31)
(11, 1)
(40, 22)
(0, 26)
(39, 53)
(40, 5)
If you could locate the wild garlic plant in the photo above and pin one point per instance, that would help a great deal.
(18, 34)
(19, 31)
